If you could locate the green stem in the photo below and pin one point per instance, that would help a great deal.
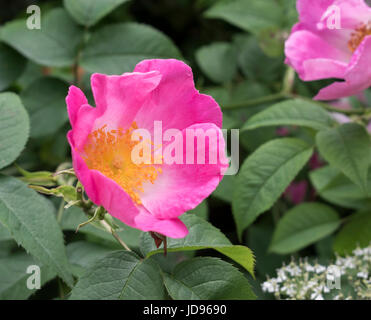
(327, 106)
(60, 211)
(115, 235)
(288, 80)
(60, 289)
(254, 102)
(285, 95)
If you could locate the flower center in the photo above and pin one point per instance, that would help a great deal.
(357, 37)
(109, 152)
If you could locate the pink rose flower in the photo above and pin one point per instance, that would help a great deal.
(148, 196)
(318, 48)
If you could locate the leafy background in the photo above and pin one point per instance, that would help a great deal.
(250, 225)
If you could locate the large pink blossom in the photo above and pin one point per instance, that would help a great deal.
(317, 51)
(149, 197)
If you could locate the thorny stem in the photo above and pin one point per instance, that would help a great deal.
(97, 215)
(87, 206)
(110, 230)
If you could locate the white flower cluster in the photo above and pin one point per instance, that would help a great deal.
(348, 278)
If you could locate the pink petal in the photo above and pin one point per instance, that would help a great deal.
(312, 17)
(175, 101)
(181, 187)
(316, 69)
(312, 57)
(311, 12)
(173, 228)
(74, 100)
(107, 193)
(84, 125)
(340, 118)
(357, 76)
(120, 97)
(352, 12)
(369, 127)
(157, 90)
(343, 104)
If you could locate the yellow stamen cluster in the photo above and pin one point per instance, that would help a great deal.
(109, 152)
(357, 37)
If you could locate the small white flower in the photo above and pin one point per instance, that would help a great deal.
(282, 275)
(362, 274)
(358, 252)
(309, 268)
(270, 286)
(319, 269)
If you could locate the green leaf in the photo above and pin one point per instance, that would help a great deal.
(120, 275)
(7, 247)
(252, 16)
(356, 232)
(201, 210)
(116, 49)
(259, 237)
(291, 112)
(348, 149)
(4, 234)
(271, 41)
(265, 175)
(218, 61)
(303, 225)
(291, 15)
(206, 278)
(30, 218)
(83, 254)
(336, 188)
(14, 128)
(45, 101)
(89, 12)
(55, 44)
(254, 63)
(12, 64)
(225, 188)
(13, 276)
(251, 140)
(202, 235)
